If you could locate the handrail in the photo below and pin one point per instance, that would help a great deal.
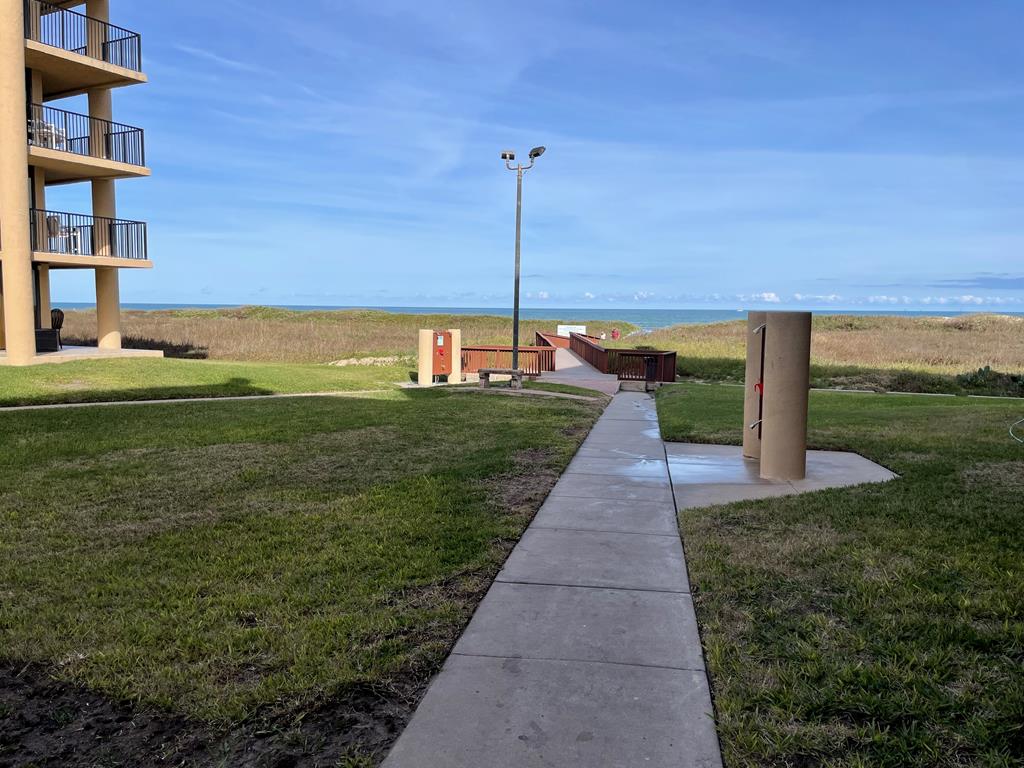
(629, 364)
(76, 234)
(532, 360)
(77, 33)
(52, 128)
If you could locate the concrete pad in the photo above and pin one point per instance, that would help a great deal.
(714, 469)
(597, 559)
(610, 449)
(585, 624)
(608, 515)
(706, 495)
(516, 713)
(624, 488)
(619, 466)
(703, 475)
(702, 449)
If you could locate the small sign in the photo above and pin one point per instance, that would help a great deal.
(565, 330)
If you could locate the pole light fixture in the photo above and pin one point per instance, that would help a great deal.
(509, 157)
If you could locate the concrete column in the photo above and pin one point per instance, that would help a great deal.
(102, 110)
(787, 373)
(103, 204)
(15, 244)
(96, 33)
(43, 275)
(425, 368)
(456, 375)
(108, 308)
(751, 397)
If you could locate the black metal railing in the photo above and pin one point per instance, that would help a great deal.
(54, 128)
(75, 234)
(78, 33)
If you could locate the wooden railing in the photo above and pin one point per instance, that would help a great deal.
(532, 360)
(551, 340)
(592, 352)
(629, 364)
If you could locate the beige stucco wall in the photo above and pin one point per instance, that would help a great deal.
(15, 247)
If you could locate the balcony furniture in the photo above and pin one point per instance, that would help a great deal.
(70, 236)
(44, 134)
(56, 323)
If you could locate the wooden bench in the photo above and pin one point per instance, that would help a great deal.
(516, 374)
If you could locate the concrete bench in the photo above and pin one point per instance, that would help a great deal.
(515, 373)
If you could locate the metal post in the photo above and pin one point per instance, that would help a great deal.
(515, 294)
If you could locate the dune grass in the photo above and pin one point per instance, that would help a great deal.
(880, 625)
(156, 379)
(215, 559)
(879, 353)
(316, 336)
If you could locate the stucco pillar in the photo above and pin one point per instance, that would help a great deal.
(751, 379)
(425, 367)
(96, 34)
(787, 376)
(103, 204)
(15, 247)
(455, 377)
(108, 308)
(102, 110)
(43, 276)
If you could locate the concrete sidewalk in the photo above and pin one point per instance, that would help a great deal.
(570, 368)
(585, 651)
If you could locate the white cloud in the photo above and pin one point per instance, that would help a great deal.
(588, 295)
(767, 296)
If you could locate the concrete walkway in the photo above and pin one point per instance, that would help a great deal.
(585, 650)
(570, 368)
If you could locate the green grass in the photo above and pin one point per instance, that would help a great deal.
(220, 558)
(566, 389)
(155, 378)
(881, 625)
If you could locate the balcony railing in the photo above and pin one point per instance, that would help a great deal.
(54, 128)
(78, 33)
(75, 234)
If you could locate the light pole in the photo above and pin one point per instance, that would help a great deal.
(509, 156)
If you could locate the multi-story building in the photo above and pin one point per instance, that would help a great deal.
(52, 50)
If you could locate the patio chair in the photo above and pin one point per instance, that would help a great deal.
(56, 323)
(55, 231)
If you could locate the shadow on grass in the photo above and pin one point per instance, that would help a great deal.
(233, 387)
(185, 351)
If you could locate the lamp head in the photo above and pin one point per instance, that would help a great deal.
(536, 152)
(508, 155)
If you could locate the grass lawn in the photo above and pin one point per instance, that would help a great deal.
(155, 378)
(238, 560)
(881, 625)
(565, 389)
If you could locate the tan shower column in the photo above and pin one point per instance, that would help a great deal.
(787, 374)
(455, 377)
(425, 363)
(751, 397)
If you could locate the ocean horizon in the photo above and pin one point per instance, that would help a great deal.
(646, 319)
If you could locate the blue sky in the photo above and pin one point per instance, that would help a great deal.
(700, 154)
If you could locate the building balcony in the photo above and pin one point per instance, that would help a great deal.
(75, 53)
(75, 147)
(77, 240)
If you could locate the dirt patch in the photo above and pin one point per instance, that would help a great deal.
(47, 723)
(996, 475)
(522, 491)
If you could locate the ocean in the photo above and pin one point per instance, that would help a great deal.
(647, 319)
